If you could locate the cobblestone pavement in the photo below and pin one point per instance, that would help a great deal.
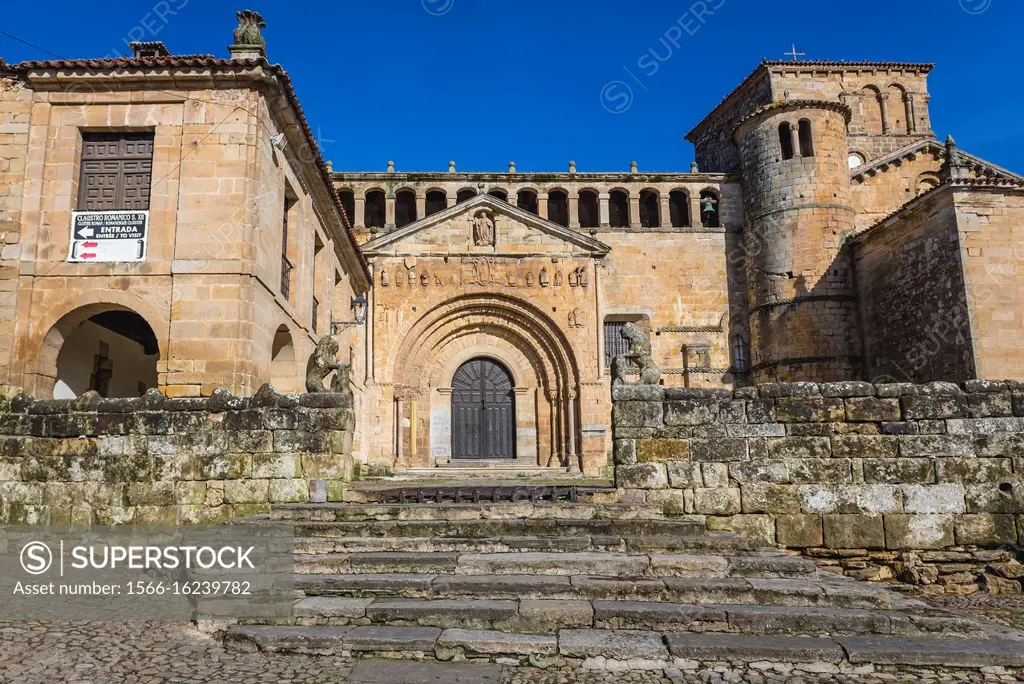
(175, 653)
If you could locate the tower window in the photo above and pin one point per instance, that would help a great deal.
(806, 139)
(679, 208)
(709, 210)
(739, 353)
(618, 209)
(786, 140)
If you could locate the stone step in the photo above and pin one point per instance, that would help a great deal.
(479, 529)
(464, 511)
(638, 649)
(688, 590)
(563, 563)
(714, 543)
(546, 616)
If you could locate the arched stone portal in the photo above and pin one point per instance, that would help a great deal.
(528, 345)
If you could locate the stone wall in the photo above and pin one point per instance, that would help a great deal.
(920, 482)
(168, 461)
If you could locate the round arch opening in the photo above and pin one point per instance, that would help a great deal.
(113, 352)
(283, 370)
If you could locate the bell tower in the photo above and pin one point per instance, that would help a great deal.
(803, 315)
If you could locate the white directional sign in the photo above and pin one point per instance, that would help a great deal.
(108, 236)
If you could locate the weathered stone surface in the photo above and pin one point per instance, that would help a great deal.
(331, 607)
(899, 470)
(985, 529)
(800, 447)
(638, 414)
(872, 409)
(621, 645)
(419, 672)
(913, 651)
(849, 388)
(684, 474)
(553, 615)
(973, 470)
(624, 451)
(793, 620)
(543, 563)
(716, 501)
(918, 531)
(441, 612)
(936, 446)
(918, 407)
(484, 642)
(718, 450)
(642, 476)
(690, 412)
(864, 446)
(372, 638)
(654, 616)
(939, 498)
(678, 565)
(790, 389)
(989, 405)
(853, 531)
(645, 393)
(729, 647)
(799, 531)
(662, 450)
(809, 410)
(770, 498)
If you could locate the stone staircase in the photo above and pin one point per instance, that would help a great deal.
(592, 582)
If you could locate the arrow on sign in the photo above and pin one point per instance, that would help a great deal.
(86, 233)
(90, 244)
(90, 255)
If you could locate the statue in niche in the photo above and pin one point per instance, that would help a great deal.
(483, 229)
(583, 277)
(424, 279)
(529, 279)
(558, 279)
(544, 279)
(324, 362)
(412, 277)
(385, 279)
(639, 355)
(574, 279)
(574, 319)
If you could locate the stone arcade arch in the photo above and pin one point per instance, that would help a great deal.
(506, 330)
(107, 346)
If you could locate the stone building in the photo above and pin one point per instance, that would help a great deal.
(166, 221)
(822, 234)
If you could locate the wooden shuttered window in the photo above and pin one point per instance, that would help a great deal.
(117, 170)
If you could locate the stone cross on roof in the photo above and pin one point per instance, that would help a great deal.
(794, 54)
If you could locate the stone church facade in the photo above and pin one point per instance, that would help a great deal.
(822, 234)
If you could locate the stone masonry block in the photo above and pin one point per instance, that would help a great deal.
(800, 447)
(716, 501)
(732, 412)
(937, 498)
(691, 412)
(936, 446)
(872, 409)
(985, 529)
(761, 411)
(644, 393)
(853, 531)
(899, 471)
(760, 470)
(718, 450)
(715, 474)
(684, 474)
(850, 499)
(1002, 497)
(809, 410)
(933, 407)
(638, 414)
(662, 450)
(918, 531)
(642, 476)
(289, 491)
(848, 388)
(989, 405)
(246, 491)
(979, 471)
(799, 531)
(770, 498)
(820, 471)
(624, 451)
(865, 446)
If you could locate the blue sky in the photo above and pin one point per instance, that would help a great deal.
(483, 82)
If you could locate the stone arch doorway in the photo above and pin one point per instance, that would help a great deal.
(483, 411)
(106, 347)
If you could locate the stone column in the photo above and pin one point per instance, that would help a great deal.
(634, 211)
(451, 199)
(573, 460)
(399, 432)
(513, 198)
(574, 210)
(599, 309)
(883, 102)
(665, 211)
(389, 213)
(695, 210)
(413, 451)
(542, 206)
(359, 220)
(603, 199)
(911, 114)
(421, 204)
(556, 431)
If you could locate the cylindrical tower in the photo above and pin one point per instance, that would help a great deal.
(803, 314)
